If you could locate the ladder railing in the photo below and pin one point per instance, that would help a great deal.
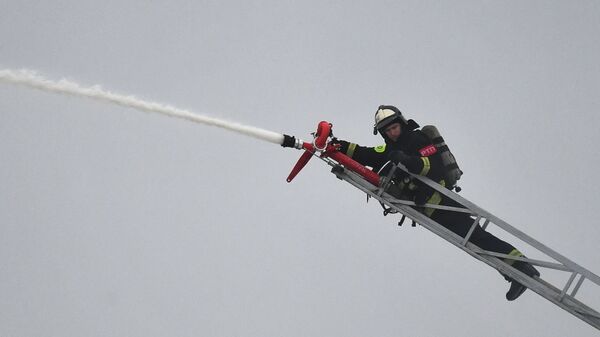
(563, 296)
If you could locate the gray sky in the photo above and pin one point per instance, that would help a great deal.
(115, 222)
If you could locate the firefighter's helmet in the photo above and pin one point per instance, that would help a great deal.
(386, 115)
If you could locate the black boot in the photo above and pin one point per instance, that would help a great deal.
(516, 288)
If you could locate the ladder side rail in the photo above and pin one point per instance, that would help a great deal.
(541, 287)
(508, 228)
(544, 289)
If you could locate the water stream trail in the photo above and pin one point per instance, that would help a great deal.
(31, 79)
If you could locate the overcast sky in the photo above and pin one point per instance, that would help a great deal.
(115, 222)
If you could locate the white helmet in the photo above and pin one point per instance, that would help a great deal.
(386, 115)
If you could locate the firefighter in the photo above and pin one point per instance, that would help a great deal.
(405, 144)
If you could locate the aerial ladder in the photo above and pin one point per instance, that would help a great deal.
(377, 187)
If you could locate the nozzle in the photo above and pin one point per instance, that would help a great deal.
(288, 141)
(291, 141)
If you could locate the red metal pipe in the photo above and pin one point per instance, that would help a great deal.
(347, 162)
(355, 166)
(323, 132)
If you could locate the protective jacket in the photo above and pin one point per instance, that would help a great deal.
(423, 160)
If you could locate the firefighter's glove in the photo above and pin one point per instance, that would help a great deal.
(399, 157)
(340, 145)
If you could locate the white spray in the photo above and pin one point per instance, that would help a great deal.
(31, 79)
